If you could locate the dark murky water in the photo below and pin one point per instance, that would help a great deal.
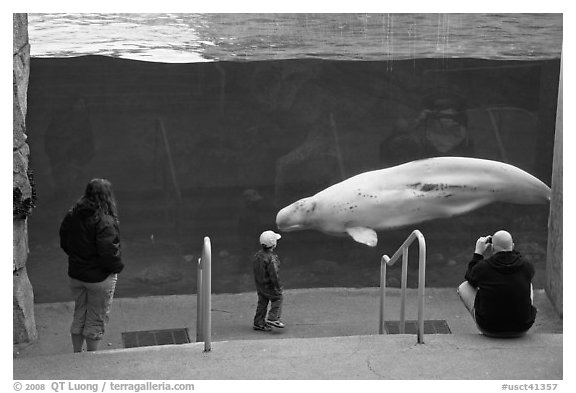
(182, 143)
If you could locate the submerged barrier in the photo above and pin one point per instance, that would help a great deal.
(403, 251)
(203, 297)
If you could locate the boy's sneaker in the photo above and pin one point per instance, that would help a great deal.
(264, 328)
(277, 324)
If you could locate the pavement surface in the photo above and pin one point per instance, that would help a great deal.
(469, 356)
(331, 333)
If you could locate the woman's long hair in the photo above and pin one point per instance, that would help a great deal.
(99, 195)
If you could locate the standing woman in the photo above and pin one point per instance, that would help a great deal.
(90, 235)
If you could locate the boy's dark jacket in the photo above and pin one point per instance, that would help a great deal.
(266, 273)
(92, 242)
(503, 301)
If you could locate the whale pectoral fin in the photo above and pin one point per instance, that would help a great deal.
(363, 235)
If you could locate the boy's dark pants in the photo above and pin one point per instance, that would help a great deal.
(262, 308)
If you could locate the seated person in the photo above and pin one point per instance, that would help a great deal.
(498, 289)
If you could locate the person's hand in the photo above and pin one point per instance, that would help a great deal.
(482, 244)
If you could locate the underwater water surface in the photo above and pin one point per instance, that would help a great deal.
(208, 124)
(177, 38)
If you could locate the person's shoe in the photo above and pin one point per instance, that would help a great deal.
(277, 324)
(264, 328)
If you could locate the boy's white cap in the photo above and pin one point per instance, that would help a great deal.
(269, 238)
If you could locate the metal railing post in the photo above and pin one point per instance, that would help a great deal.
(206, 295)
(403, 289)
(421, 285)
(383, 263)
(199, 302)
(403, 251)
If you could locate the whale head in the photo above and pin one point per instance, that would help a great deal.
(297, 216)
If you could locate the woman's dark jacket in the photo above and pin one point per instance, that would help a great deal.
(503, 301)
(92, 242)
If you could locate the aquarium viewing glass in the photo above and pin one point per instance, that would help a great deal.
(208, 124)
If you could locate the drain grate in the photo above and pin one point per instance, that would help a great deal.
(433, 326)
(155, 337)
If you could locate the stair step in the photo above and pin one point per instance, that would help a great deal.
(444, 357)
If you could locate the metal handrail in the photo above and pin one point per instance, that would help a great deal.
(199, 302)
(203, 297)
(403, 251)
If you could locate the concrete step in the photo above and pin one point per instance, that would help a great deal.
(449, 357)
(331, 333)
(308, 313)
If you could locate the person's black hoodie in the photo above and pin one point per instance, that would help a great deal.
(92, 242)
(503, 302)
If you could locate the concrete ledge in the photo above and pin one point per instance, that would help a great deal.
(449, 357)
(330, 334)
(321, 312)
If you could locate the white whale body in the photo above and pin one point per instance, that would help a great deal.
(411, 193)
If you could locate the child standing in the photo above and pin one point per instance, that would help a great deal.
(268, 287)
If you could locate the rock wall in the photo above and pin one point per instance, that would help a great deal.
(554, 261)
(24, 325)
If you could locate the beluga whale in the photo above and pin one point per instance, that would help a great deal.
(410, 193)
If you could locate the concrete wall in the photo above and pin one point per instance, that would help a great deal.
(23, 193)
(554, 261)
